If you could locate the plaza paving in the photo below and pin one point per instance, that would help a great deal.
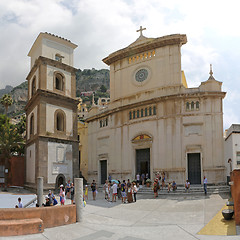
(10, 199)
(167, 217)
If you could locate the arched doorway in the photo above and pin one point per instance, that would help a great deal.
(142, 144)
(60, 179)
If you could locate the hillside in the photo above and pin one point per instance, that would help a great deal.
(86, 80)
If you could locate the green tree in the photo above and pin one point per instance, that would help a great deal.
(6, 101)
(103, 89)
(21, 125)
(11, 142)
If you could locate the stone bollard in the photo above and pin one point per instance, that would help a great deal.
(78, 192)
(40, 191)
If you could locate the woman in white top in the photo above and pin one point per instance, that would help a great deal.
(114, 194)
(135, 189)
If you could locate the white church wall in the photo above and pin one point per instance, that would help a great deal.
(163, 71)
(59, 161)
(50, 79)
(228, 153)
(232, 150)
(30, 163)
(116, 154)
(50, 114)
(36, 75)
(37, 52)
(50, 49)
(34, 111)
(92, 154)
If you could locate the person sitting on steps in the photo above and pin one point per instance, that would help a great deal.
(187, 185)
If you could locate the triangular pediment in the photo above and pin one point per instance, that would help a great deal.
(140, 41)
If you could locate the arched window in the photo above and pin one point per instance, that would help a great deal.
(33, 85)
(192, 105)
(197, 105)
(187, 106)
(59, 82)
(60, 121)
(58, 57)
(32, 124)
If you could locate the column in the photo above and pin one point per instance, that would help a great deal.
(40, 191)
(78, 189)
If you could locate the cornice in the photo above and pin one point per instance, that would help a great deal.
(175, 39)
(47, 61)
(49, 95)
(156, 100)
(50, 139)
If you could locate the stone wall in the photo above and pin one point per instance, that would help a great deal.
(51, 216)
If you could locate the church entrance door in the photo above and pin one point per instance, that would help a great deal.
(143, 161)
(103, 170)
(194, 168)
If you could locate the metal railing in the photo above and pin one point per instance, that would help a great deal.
(30, 203)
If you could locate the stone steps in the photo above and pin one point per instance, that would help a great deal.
(21, 227)
(195, 189)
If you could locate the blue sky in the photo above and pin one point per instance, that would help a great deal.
(102, 27)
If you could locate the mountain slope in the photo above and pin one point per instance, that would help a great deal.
(86, 80)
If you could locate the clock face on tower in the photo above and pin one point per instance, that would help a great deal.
(141, 75)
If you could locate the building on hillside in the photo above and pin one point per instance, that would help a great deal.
(82, 109)
(232, 148)
(51, 113)
(16, 119)
(87, 94)
(83, 149)
(103, 101)
(154, 122)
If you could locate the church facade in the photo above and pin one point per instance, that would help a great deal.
(51, 113)
(154, 122)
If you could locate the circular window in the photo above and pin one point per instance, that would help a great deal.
(141, 75)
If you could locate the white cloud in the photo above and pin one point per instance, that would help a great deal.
(102, 27)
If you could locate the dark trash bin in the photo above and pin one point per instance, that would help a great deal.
(227, 214)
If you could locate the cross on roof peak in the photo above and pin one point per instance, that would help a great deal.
(140, 30)
(211, 72)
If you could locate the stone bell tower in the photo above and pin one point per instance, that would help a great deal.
(51, 144)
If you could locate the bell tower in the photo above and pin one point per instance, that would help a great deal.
(51, 144)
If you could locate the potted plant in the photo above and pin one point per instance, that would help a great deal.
(148, 182)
